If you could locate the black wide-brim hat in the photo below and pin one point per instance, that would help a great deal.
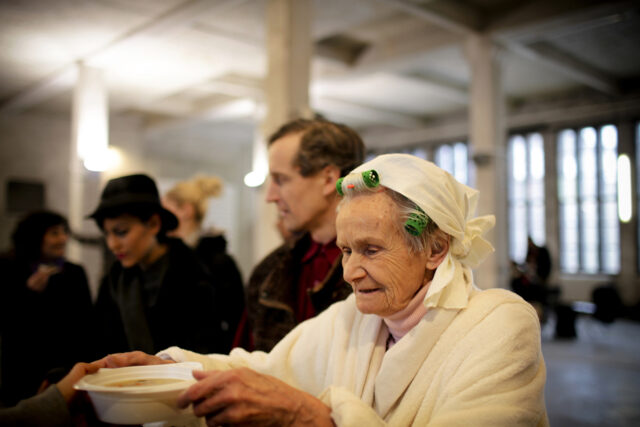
(132, 190)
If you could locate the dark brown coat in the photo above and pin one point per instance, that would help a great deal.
(273, 291)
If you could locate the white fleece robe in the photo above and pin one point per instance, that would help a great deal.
(477, 366)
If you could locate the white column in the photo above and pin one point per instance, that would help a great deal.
(89, 140)
(489, 153)
(289, 50)
(628, 282)
(552, 207)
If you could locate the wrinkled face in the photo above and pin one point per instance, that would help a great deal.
(130, 239)
(54, 242)
(299, 199)
(376, 260)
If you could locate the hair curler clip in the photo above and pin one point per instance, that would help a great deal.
(371, 178)
(339, 186)
(416, 223)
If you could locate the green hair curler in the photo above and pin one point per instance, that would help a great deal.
(339, 186)
(416, 223)
(371, 178)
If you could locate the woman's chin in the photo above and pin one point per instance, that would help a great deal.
(367, 306)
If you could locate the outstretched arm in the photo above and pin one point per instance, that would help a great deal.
(245, 396)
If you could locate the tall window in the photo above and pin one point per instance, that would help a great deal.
(587, 175)
(526, 194)
(451, 157)
(454, 159)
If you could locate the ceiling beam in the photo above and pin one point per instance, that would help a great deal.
(446, 14)
(390, 53)
(543, 13)
(177, 17)
(564, 63)
(331, 106)
(546, 19)
(448, 90)
(553, 114)
(237, 109)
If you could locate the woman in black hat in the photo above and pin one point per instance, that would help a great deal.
(157, 294)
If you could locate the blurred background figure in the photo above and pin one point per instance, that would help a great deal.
(529, 280)
(158, 294)
(45, 307)
(189, 201)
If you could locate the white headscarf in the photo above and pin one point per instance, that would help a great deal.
(452, 206)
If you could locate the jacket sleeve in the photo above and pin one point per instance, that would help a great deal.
(496, 374)
(44, 409)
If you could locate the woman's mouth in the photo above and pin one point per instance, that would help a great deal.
(368, 291)
(120, 256)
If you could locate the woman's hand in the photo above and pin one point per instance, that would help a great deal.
(243, 396)
(133, 358)
(79, 370)
(38, 281)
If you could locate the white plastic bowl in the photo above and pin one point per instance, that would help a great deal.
(139, 404)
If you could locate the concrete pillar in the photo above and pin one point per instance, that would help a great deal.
(489, 153)
(289, 50)
(89, 137)
(551, 204)
(628, 282)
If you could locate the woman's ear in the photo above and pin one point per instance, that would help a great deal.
(155, 223)
(439, 247)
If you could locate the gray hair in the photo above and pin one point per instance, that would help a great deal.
(354, 185)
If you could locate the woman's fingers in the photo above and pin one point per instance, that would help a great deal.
(206, 386)
(134, 358)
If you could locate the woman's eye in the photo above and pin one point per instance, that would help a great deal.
(371, 250)
(120, 233)
(346, 251)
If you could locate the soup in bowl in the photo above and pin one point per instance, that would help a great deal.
(140, 394)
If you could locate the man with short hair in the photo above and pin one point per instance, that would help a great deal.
(302, 277)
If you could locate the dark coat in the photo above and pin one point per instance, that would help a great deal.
(212, 252)
(273, 291)
(42, 333)
(184, 312)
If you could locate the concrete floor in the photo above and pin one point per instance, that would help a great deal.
(594, 379)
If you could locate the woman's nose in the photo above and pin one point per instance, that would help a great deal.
(112, 243)
(352, 268)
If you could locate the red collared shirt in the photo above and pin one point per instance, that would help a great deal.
(316, 263)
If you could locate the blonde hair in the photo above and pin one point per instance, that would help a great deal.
(196, 191)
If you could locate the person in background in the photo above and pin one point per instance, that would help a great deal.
(416, 344)
(57, 406)
(188, 201)
(45, 307)
(529, 280)
(158, 293)
(303, 276)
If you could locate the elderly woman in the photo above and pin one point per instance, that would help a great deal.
(416, 344)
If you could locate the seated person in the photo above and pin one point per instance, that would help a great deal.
(530, 279)
(415, 344)
(158, 293)
(45, 307)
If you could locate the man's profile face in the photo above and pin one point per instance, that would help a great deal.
(300, 200)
